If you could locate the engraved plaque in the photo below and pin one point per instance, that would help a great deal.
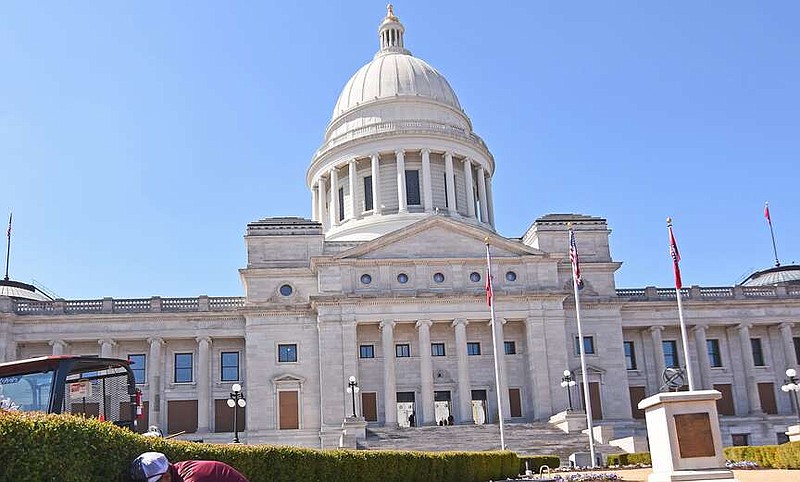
(694, 435)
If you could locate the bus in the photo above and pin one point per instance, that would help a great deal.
(103, 388)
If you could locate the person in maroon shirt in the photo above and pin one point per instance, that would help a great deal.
(154, 467)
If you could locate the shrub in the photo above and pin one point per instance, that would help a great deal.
(535, 462)
(763, 455)
(787, 456)
(68, 448)
(629, 459)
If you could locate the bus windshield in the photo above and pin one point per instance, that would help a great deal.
(28, 392)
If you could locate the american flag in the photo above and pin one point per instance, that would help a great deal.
(573, 258)
(489, 292)
(676, 257)
(766, 213)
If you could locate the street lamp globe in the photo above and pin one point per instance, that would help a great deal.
(242, 402)
(791, 372)
(236, 387)
(231, 403)
(567, 373)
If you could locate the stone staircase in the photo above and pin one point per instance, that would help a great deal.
(538, 438)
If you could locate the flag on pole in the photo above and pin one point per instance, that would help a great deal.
(489, 293)
(573, 258)
(766, 213)
(676, 256)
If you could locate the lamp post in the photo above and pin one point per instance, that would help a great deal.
(568, 381)
(236, 400)
(352, 389)
(793, 385)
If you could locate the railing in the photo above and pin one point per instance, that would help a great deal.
(651, 293)
(139, 305)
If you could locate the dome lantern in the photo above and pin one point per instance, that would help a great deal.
(391, 34)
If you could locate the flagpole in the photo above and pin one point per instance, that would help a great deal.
(584, 375)
(490, 295)
(679, 296)
(772, 233)
(8, 244)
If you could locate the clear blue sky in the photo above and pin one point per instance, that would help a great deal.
(137, 139)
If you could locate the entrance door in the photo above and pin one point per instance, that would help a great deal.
(594, 399)
(406, 416)
(287, 406)
(441, 407)
(479, 409)
(369, 406)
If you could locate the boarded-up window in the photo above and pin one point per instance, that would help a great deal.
(515, 402)
(594, 399)
(181, 416)
(289, 417)
(369, 406)
(637, 395)
(725, 404)
(223, 416)
(766, 393)
(141, 423)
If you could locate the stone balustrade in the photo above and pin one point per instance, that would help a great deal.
(140, 305)
(738, 292)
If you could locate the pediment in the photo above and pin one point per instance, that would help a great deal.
(288, 378)
(439, 237)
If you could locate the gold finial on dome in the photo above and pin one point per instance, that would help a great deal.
(390, 12)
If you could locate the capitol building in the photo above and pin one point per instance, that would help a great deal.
(386, 283)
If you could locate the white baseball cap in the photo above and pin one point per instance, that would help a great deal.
(153, 465)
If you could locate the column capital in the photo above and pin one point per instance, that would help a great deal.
(387, 324)
(460, 321)
(744, 326)
(203, 339)
(104, 341)
(420, 323)
(786, 325)
(448, 154)
(468, 160)
(700, 327)
(425, 150)
(656, 328)
(55, 342)
(155, 340)
(399, 152)
(374, 156)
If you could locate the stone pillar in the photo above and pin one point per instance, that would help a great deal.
(334, 197)
(749, 372)
(788, 344)
(701, 347)
(354, 211)
(389, 385)
(482, 195)
(154, 372)
(536, 353)
(106, 347)
(500, 352)
(58, 346)
(658, 352)
(315, 203)
(376, 191)
(203, 383)
(469, 184)
(428, 417)
(427, 188)
(489, 200)
(321, 197)
(401, 180)
(450, 186)
(464, 388)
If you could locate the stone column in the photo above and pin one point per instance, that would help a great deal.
(658, 352)
(489, 200)
(58, 346)
(749, 369)
(450, 185)
(203, 383)
(469, 185)
(106, 347)
(389, 384)
(482, 195)
(701, 347)
(155, 368)
(788, 345)
(334, 197)
(315, 203)
(427, 188)
(401, 180)
(464, 388)
(376, 192)
(500, 352)
(426, 373)
(321, 197)
(354, 211)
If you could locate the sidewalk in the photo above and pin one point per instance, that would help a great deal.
(762, 475)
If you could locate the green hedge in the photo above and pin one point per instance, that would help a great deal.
(629, 459)
(535, 462)
(67, 448)
(784, 456)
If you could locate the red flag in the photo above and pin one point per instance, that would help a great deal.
(766, 213)
(676, 257)
(489, 293)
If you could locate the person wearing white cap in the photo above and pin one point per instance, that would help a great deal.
(154, 467)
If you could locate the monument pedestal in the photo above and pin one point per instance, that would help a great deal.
(685, 440)
(569, 421)
(793, 433)
(354, 430)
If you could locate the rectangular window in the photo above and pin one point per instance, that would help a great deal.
(445, 191)
(758, 353)
(366, 351)
(670, 348)
(287, 353)
(412, 188)
(368, 193)
(588, 345)
(229, 366)
(714, 355)
(796, 349)
(139, 367)
(510, 347)
(630, 355)
(183, 367)
(402, 350)
(437, 349)
(341, 204)
(473, 348)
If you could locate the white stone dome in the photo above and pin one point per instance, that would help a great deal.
(391, 75)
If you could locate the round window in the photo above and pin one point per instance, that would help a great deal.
(366, 279)
(286, 290)
(438, 277)
(402, 278)
(474, 276)
(511, 276)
